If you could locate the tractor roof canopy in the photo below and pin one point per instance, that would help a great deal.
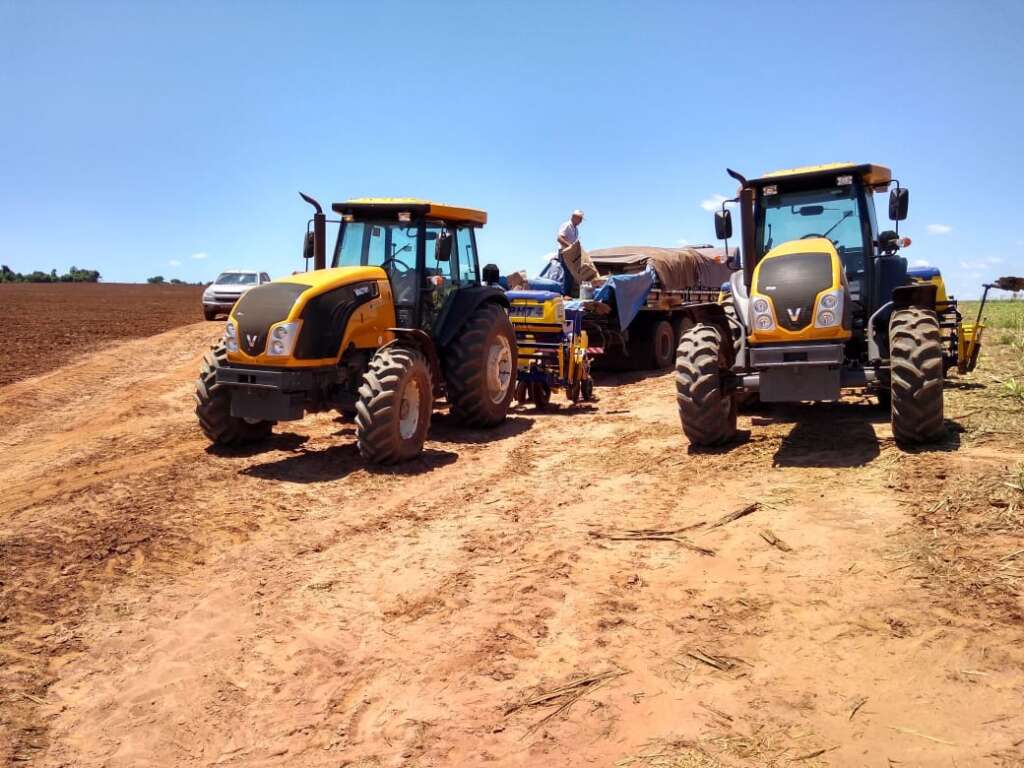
(873, 176)
(388, 207)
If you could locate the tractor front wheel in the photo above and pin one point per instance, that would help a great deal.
(480, 368)
(396, 400)
(706, 412)
(915, 344)
(213, 407)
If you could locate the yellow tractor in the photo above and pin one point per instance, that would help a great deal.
(398, 319)
(823, 302)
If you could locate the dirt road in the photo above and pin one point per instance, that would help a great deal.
(164, 605)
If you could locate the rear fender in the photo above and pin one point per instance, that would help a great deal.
(919, 295)
(460, 305)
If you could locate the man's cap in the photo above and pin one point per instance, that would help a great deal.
(578, 212)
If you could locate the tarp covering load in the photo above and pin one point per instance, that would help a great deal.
(676, 268)
(626, 293)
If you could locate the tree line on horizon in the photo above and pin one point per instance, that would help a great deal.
(73, 275)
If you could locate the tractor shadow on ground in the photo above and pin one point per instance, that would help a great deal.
(826, 435)
(558, 409)
(613, 378)
(282, 441)
(444, 428)
(339, 461)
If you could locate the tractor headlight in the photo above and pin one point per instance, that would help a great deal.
(830, 309)
(230, 336)
(763, 319)
(282, 339)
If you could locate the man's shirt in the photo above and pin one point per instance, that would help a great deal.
(569, 231)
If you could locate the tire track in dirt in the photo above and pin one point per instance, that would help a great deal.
(295, 607)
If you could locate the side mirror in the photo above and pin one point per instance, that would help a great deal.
(443, 248)
(899, 202)
(723, 224)
(307, 246)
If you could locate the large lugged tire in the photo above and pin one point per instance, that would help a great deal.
(396, 400)
(915, 345)
(480, 368)
(213, 407)
(707, 414)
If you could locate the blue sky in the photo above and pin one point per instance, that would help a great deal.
(146, 138)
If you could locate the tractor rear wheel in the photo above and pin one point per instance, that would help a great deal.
(480, 368)
(213, 407)
(396, 400)
(706, 412)
(915, 352)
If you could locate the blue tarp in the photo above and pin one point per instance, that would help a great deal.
(627, 294)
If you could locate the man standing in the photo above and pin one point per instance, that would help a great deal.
(569, 232)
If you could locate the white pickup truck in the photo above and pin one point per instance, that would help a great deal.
(220, 296)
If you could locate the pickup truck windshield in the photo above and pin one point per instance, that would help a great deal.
(236, 278)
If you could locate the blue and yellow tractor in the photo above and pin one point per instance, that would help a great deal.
(553, 351)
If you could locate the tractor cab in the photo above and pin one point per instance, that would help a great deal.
(428, 251)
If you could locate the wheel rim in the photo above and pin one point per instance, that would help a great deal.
(409, 410)
(499, 369)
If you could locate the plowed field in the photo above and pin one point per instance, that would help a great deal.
(48, 324)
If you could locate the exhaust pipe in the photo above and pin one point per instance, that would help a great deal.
(319, 233)
(746, 197)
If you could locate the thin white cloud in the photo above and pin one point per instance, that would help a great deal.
(921, 263)
(939, 229)
(174, 263)
(682, 241)
(994, 260)
(714, 202)
(199, 255)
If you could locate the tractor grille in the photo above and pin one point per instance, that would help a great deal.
(793, 281)
(260, 308)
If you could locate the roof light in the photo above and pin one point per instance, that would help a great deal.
(771, 189)
(844, 181)
(404, 216)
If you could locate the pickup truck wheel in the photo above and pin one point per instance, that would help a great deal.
(707, 414)
(396, 401)
(915, 344)
(213, 407)
(210, 314)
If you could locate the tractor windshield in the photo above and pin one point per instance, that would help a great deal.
(389, 245)
(834, 213)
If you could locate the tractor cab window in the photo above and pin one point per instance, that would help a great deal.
(833, 213)
(465, 244)
(389, 245)
(437, 267)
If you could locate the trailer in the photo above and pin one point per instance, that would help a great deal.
(639, 311)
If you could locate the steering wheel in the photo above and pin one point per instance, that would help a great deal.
(810, 235)
(405, 267)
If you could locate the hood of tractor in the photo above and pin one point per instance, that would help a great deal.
(799, 293)
(307, 319)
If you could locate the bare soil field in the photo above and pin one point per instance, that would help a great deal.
(574, 588)
(48, 324)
